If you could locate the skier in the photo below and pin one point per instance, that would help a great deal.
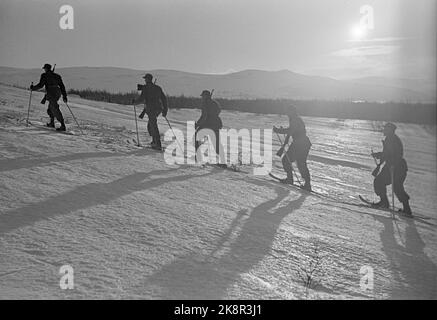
(210, 119)
(155, 103)
(298, 150)
(394, 170)
(54, 89)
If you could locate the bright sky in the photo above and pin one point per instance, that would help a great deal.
(316, 37)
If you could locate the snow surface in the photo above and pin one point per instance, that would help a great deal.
(134, 227)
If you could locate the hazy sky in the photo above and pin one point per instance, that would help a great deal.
(218, 36)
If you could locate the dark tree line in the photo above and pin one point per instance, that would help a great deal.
(388, 111)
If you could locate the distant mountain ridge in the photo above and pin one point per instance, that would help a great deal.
(247, 84)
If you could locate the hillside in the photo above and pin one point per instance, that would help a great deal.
(245, 84)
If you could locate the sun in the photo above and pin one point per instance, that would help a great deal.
(358, 32)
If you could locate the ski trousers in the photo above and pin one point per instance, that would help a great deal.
(152, 126)
(298, 152)
(54, 112)
(383, 179)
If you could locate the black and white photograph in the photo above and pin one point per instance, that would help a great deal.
(226, 151)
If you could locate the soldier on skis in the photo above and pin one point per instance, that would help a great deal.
(54, 89)
(394, 170)
(298, 150)
(210, 119)
(155, 103)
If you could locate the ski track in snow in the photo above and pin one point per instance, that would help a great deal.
(133, 227)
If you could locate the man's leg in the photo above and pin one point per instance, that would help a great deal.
(154, 131)
(399, 176)
(382, 180)
(196, 143)
(287, 160)
(54, 109)
(149, 131)
(219, 150)
(301, 160)
(51, 124)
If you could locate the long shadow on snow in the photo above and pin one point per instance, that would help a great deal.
(194, 277)
(84, 197)
(334, 162)
(13, 164)
(414, 273)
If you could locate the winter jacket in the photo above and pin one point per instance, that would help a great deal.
(154, 98)
(53, 85)
(209, 117)
(393, 152)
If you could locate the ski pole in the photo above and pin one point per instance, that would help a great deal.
(28, 108)
(378, 165)
(168, 122)
(77, 123)
(136, 124)
(392, 187)
(288, 159)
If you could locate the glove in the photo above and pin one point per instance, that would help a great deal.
(141, 116)
(280, 152)
(377, 155)
(375, 172)
(276, 129)
(164, 113)
(65, 99)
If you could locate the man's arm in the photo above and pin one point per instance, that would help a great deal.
(282, 148)
(39, 85)
(382, 156)
(202, 117)
(139, 99)
(164, 103)
(287, 138)
(281, 130)
(62, 87)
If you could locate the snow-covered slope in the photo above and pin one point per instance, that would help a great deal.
(133, 227)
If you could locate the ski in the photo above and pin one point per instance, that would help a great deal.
(366, 201)
(162, 150)
(296, 186)
(371, 204)
(42, 126)
(229, 167)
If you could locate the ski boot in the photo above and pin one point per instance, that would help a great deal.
(51, 124)
(156, 146)
(62, 128)
(406, 210)
(307, 187)
(287, 180)
(383, 203)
